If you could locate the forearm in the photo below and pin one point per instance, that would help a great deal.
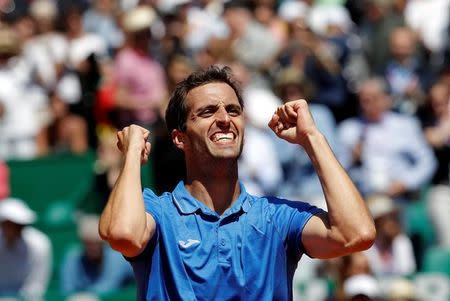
(123, 222)
(348, 217)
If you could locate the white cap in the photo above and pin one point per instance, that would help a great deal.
(43, 9)
(362, 284)
(169, 6)
(292, 10)
(88, 227)
(322, 16)
(401, 289)
(16, 211)
(139, 18)
(380, 205)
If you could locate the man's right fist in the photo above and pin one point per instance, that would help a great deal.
(133, 139)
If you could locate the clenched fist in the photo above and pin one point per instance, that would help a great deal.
(293, 122)
(133, 140)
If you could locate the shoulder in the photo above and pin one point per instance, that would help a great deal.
(402, 121)
(150, 196)
(157, 205)
(124, 56)
(37, 240)
(320, 110)
(350, 123)
(349, 130)
(402, 240)
(274, 205)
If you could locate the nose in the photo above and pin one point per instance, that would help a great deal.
(222, 117)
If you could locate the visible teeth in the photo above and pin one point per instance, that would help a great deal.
(222, 136)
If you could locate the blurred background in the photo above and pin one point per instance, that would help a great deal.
(376, 74)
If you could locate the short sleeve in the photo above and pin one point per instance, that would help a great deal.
(290, 218)
(152, 204)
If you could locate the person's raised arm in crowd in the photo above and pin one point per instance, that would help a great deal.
(124, 224)
(348, 226)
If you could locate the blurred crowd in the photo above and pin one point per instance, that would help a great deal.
(376, 75)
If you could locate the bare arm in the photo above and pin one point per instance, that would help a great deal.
(124, 224)
(348, 226)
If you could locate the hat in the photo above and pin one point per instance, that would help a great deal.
(139, 18)
(170, 6)
(16, 211)
(322, 16)
(402, 289)
(380, 205)
(88, 227)
(362, 284)
(9, 42)
(293, 76)
(43, 9)
(291, 11)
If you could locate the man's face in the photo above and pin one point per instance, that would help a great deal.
(373, 102)
(11, 230)
(215, 123)
(93, 249)
(402, 44)
(388, 226)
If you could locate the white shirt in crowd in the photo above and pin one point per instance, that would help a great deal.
(28, 264)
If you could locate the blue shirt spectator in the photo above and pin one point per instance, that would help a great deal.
(385, 152)
(94, 267)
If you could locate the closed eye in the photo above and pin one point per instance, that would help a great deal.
(208, 111)
(234, 110)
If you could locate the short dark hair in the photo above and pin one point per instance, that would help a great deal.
(176, 112)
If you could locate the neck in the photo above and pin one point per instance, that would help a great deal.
(215, 185)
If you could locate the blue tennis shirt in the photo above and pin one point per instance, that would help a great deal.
(250, 252)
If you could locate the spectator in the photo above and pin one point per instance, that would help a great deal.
(136, 100)
(436, 124)
(405, 72)
(101, 20)
(300, 179)
(42, 46)
(202, 22)
(94, 267)
(252, 44)
(25, 252)
(392, 253)
(385, 152)
(331, 50)
(361, 287)
(22, 103)
(265, 13)
(46, 51)
(86, 51)
(435, 118)
(344, 268)
(380, 20)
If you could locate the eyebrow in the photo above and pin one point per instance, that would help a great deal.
(216, 106)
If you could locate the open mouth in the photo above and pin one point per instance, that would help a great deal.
(222, 138)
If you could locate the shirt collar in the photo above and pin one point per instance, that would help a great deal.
(187, 204)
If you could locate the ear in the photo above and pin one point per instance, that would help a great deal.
(178, 139)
